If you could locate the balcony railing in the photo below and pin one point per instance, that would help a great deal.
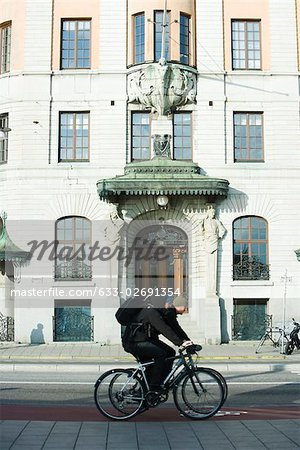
(250, 268)
(73, 270)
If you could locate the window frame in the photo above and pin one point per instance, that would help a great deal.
(7, 54)
(177, 113)
(188, 17)
(135, 16)
(168, 56)
(246, 21)
(250, 241)
(76, 20)
(4, 144)
(248, 136)
(132, 136)
(74, 113)
(72, 242)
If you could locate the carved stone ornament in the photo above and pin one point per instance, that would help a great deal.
(161, 145)
(162, 87)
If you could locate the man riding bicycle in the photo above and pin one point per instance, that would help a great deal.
(141, 338)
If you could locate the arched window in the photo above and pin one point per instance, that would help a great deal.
(250, 248)
(73, 236)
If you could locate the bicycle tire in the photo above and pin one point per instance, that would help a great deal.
(289, 348)
(206, 401)
(222, 380)
(112, 394)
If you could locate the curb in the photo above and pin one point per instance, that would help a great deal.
(82, 366)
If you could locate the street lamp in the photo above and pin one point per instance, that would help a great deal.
(3, 133)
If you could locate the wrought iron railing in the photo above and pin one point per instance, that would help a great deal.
(70, 270)
(73, 325)
(250, 268)
(7, 328)
(251, 329)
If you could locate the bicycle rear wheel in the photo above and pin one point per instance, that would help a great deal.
(199, 395)
(119, 394)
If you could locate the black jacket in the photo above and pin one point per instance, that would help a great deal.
(155, 322)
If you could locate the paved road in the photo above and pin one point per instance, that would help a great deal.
(66, 396)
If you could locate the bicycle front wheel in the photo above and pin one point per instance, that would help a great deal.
(199, 395)
(222, 380)
(119, 394)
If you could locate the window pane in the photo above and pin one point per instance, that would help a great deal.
(245, 36)
(184, 38)
(5, 49)
(74, 132)
(4, 142)
(76, 35)
(182, 143)
(140, 136)
(139, 38)
(158, 27)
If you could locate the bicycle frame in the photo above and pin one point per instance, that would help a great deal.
(170, 380)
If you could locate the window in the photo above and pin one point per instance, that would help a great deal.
(75, 44)
(246, 46)
(74, 238)
(5, 44)
(182, 133)
(248, 139)
(73, 321)
(250, 249)
(158, 28)
(139, 38)
(184, 38)
(140, 136)
(74, 136)
(4, 141)
(249, 319)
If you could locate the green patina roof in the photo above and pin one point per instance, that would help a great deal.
(162, 176)
(8, 250)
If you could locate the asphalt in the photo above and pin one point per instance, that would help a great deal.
(226, 432)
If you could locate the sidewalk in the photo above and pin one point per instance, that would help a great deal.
(207, 435)
(64, 356)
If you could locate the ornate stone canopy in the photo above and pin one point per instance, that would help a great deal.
(162, 176)
(8, 250)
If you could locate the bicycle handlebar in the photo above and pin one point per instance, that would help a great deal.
(190, 349)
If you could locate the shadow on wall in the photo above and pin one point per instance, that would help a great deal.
(224, 322)
(37, 335)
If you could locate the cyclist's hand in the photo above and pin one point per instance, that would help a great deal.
(186, 344)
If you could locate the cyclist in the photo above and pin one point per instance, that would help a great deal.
(141, 339)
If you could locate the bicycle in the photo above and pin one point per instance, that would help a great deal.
(269, 335)
(294, 341)
(198, 392)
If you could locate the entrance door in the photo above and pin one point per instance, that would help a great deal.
(162, 263)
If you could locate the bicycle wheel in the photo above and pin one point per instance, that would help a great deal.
(289, 348)
(222, 380)
(119, 394)
(200, 395)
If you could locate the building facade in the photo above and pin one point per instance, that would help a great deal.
(173, 125)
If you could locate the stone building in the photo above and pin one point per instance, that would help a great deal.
(136, 126)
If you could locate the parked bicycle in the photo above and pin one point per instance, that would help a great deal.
(198, 392)
(269, 335)
(294, 341)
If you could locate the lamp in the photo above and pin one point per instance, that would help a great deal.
(3, 133)
(162, 201)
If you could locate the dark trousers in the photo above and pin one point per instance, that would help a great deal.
(159, 351)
